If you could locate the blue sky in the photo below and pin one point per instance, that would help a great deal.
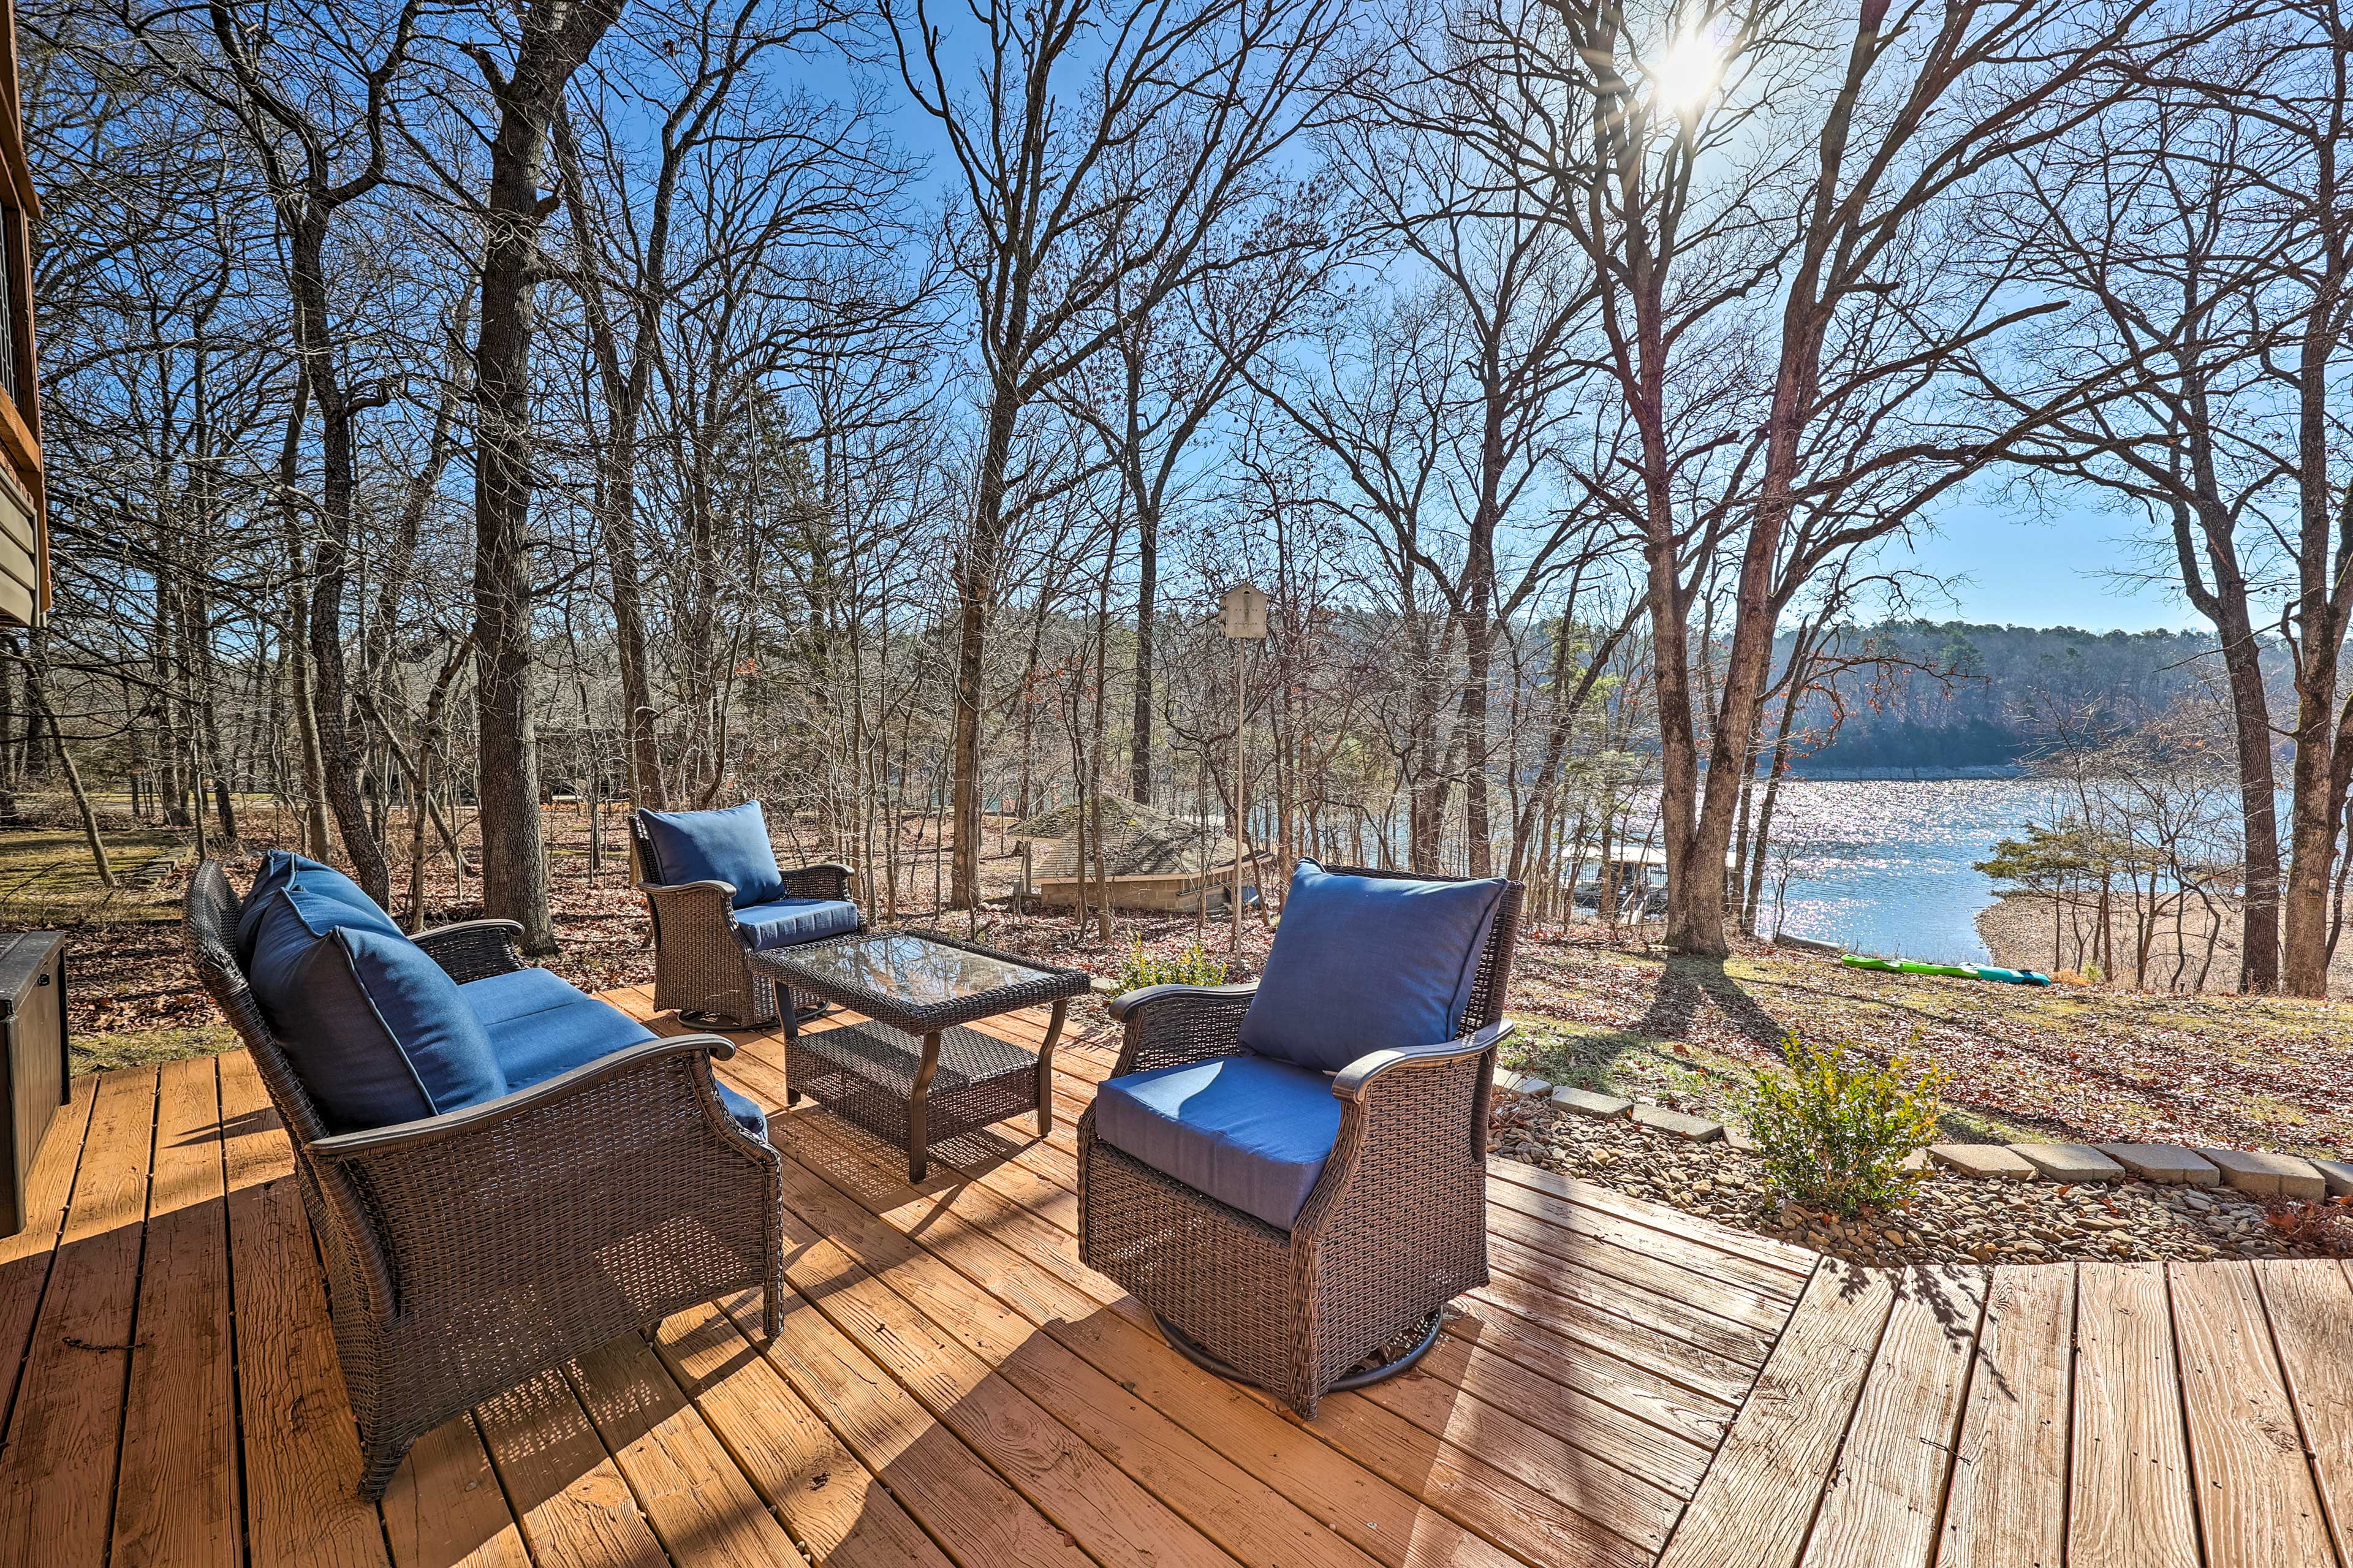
(2072, 566)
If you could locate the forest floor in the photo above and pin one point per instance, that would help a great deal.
(1613, 1013)
(2067, 1062)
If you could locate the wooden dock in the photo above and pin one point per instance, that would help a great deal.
(950, 1385)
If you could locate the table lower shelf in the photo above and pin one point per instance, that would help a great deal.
(872, 1074)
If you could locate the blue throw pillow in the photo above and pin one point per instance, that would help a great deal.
(1368, 964)
(374, 1029)
(730, 846)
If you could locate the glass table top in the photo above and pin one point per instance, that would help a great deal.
(912, 968)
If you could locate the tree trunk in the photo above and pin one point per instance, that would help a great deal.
(39, 694)
(1147, 588)
(976, 590)
(556, 40)
(338, 487)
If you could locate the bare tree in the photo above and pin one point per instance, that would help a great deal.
(553, 41)
(1762, 182)
(1034, 110)
(275, 88)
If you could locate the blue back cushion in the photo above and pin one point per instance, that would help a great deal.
(278, 869)
(730, 846)
(1368, 964)
(375, 1029)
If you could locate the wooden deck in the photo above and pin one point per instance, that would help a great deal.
(951, 1386)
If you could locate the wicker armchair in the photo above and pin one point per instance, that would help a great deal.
(698, 966)
(1394, 1227)
(470, 1251)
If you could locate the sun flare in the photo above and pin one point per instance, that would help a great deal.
(1687, 72)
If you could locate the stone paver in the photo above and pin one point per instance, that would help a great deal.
(1916, 1162)
(2266, 1175)
(1735, 1137)
(1986, 1161)
(1585, 1102)
(2071, 1162)
(1521, 1083)
(2337, 1173)
(2167, 1165)
(1698, 1128)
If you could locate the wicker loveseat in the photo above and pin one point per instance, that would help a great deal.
(1274, 1246)
(471, 1248)
(714, 892)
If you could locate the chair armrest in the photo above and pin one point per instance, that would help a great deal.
(707, 907)
(474, 950)
(476, 1120)
(724, 889)
(1128, 1001)
(826, 879)
(1171, 1025)
(1352, 1082)
(1424, 1108)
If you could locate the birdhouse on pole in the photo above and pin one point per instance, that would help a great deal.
(1241, 614)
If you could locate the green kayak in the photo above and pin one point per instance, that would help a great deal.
(1950, 971)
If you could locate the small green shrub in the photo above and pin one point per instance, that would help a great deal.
(1190, 967)
(1834, 1134)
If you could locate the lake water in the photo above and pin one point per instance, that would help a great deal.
(1886, 865)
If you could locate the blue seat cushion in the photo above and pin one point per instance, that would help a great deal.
(1252, 1132)
(499, 999)
(788, 922)
(543, 1027)
(730, 846)
(373, 1027)
(1368, 964)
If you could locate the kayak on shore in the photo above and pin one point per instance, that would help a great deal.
(1949, 971)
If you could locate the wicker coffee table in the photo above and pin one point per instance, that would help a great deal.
(915, 1071)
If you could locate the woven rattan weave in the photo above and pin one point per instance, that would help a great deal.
(1395, 1226)
(470, 1251)
(915, 1074)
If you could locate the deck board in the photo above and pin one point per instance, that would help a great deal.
(2311, 1311)
(2129, 1502)
(2007, 1505)
(2257, 1502)
(65, 1434)
(177, 1497)
(1882, 1506)
(952, 1386)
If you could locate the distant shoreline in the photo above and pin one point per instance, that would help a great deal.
(2018, 930)
(1996, 770)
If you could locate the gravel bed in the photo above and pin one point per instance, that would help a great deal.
(1951, 1218)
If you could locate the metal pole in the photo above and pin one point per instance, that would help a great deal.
(1234, 938)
